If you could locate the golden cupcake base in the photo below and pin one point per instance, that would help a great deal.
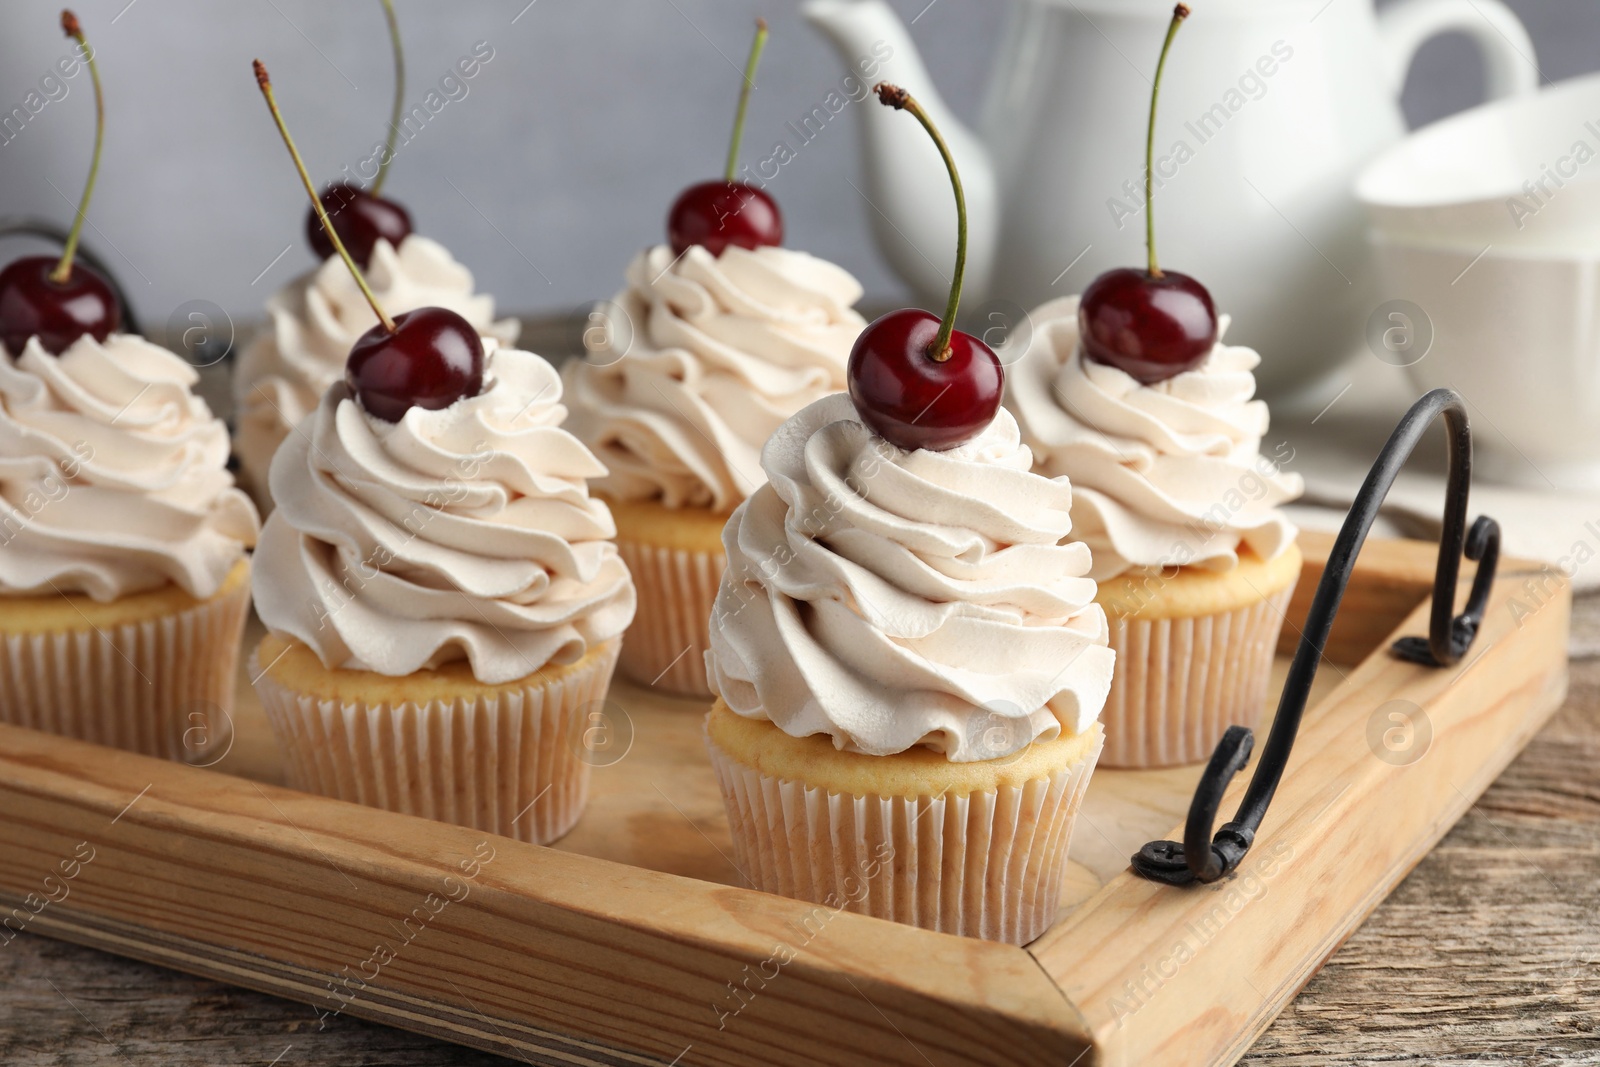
(675, 556)
(151, 673)
(1194, 656)
(977, 849)
(509, 759)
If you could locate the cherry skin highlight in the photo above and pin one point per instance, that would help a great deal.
(432, 359)
(913, 400)
(360, 219)
(1154, 327)
(717, 214)
(58, 313)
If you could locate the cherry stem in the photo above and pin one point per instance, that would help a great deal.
(1179, 13)
(750, 66)
(63, 269)
(399, 95)
(265, 83)
(897, 98)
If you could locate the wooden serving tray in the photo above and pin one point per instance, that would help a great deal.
(632, 942)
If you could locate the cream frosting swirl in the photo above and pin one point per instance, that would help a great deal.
(892, 598)
(699, 359)
(1165, 474)
(464, 533)
(113, 474)
(317, 317)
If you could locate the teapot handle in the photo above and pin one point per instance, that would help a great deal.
(1510, 65)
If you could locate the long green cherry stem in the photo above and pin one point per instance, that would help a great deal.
(1179, 13)
(897, 98)
(750, 66)
(265, 83)
(399, 95)
(63, 269)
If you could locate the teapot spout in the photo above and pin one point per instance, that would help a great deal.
(907, 194)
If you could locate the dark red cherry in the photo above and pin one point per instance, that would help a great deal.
(433, 358)
(913, 400)
(1151, 323)
(718, 214)
(1153, 327)
(360, 218)
(58, 313)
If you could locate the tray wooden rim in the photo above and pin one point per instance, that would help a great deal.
(572, 959)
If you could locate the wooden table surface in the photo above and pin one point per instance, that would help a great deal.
(1488, 953)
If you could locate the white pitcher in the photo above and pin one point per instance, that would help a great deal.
(1268, 108)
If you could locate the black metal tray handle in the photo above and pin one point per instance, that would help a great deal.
(1203, 857)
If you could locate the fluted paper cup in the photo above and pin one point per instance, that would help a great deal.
(984, 864)
(508, 760)
(665, 647)
(1181, 682)
(159, 681)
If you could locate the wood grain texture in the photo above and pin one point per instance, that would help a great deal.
(1194, 977)
(1394, 577)
(280, 891)
(1487, 953)
(532, 966)
(65, 1005)
(1490, 951)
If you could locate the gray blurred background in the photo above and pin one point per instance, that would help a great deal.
(555, 167)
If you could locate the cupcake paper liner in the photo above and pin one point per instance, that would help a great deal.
(666, 645)
(1181, 682)
(161, 686)
(511, 763)
(986, 865)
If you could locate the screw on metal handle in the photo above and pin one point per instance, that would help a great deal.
(49, 231)
(1204, 857)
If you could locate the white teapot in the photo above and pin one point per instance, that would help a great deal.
(1268, 109)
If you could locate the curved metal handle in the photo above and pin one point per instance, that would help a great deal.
(1205, 858)
(50, 231)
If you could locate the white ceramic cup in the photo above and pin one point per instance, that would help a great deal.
(1485, 230)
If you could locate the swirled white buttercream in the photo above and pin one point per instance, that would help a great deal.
(700, 359)
(464, 533)
(890, 599)
(317, 317)
(1165, 474)
(113, 475)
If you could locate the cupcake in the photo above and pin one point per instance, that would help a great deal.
(1180, 510)
(316, 318)
(124, 582)
(909, 664)
(443, 601)
(687, 373)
